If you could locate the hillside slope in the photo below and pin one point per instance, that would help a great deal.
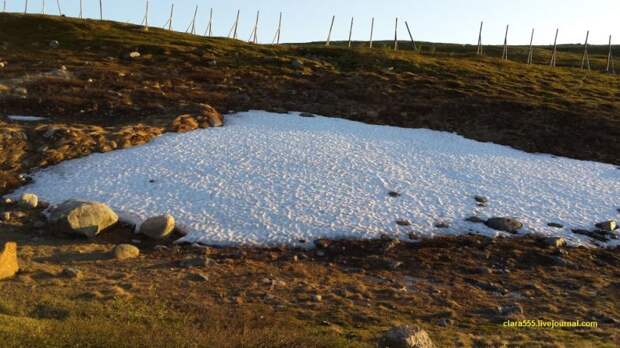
(563, 111)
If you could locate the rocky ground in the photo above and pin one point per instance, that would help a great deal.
(101, 95)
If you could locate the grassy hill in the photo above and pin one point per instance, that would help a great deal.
(563, 111)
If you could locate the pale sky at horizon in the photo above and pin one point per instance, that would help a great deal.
(440, 20)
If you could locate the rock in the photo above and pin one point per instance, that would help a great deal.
(8, 261)
(306, 114)
(442, 224)
(214, 118)
(7, 201)
(504, 224)
(607, 226)
(555, 225)
(20, 91)
(82, 217)
(317, 298)
(158, 227)
(406, 336)
(475, 220)
(393, 194)
(297, 64)
(6, 216)
(72, 273)
(28, 200)
(198, 277)
(54, 44)
(184, 123)
(403, 223)
(125, 252)
(556, 242)
(481, 199)
(133, 55)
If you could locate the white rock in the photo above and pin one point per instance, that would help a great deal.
(126, 251)
(158, 227)
(29, 200)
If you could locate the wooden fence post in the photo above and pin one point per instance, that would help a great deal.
(372, 29)
(81, 8)
(169, 21)
(192, 26)
(254, 34)
(411, 36)
(209, 30)
(505, 51)
(396, 35)
(585, 60)
(26, 7)
(146, 17)
(530, 54)
(554, 57)
(59, 10)
(100, 10)
(329, 35)
(236, 26)
(610, 59)
(479, 51)
(351, 31)
(276, 38)
(4, 6)
(43, 6)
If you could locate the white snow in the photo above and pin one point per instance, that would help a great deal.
(26, 118)
(268, 179)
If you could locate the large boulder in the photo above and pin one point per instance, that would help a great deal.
(8, 261)
(406, 336)
(158, 227)
(83, 218)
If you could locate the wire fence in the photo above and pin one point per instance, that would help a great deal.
(254, 34)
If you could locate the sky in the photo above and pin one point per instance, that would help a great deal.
(455, 21)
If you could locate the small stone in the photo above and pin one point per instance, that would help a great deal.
(198, 277)
(72, 273)
(297, 63)
(393, 194)
(481, 199)
(607, 226)
(442, 224)
(475, 220)
(306, 114)
(28, 201)
(8, 261)
(555, 225)
(406, 336)
(504, 224)
(7, 201)
(556, 242)
(317, 298)
(403, 223)
(134, 54)
(125, 251)
(54, 44)
(158, 227)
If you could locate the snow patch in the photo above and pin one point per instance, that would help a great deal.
(270, 179)
(26, 118)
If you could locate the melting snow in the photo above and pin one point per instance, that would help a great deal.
(267, 179)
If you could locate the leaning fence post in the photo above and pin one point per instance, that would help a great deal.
(43, 6)
(4, 6)
(396, 35)
(276, 37)
(610, 62)
(209, 31)
(351, 31)
(585, 60)
(236, 26)
(479, 51)
(555, 52)
(100, 10)
(146, 17)
(530, 54)
(169, 21)
(372, 29)
(59, 10)
(254, 34)
(329, 35)
(411, 36)
(505, 51)
(26, 7)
